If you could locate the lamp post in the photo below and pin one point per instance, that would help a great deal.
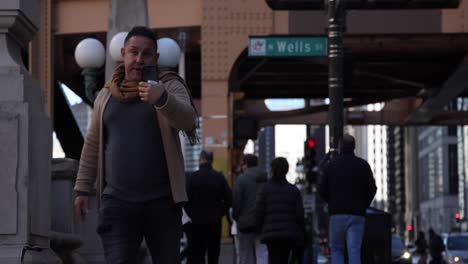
(182, 39)
(90, 56)
(172, 54)
(336, 23)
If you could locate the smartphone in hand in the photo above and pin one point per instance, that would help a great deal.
(150, 73)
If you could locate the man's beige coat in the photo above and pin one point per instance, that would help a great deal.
(175, 115)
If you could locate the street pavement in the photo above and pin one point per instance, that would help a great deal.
(227, 253)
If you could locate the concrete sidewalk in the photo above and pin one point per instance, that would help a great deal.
(227, 255)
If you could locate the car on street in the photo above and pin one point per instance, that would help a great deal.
(456, 248)
(400, 255)
(322, 259)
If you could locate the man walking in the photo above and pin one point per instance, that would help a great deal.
(133, 155)
(209, 200)
(436, 247)
(348, 186)
(245, 191)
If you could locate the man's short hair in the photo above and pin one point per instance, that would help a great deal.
(279, 168)
(250, 160)
(142, 31)
(206, 156)
(431, 231)
(348, 142)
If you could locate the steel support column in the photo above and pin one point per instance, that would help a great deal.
(336, 23)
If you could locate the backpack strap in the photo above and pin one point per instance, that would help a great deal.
(166, 76)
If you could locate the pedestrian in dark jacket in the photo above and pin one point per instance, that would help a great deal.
(245, 192)
(436, 247)
(209, 200)
(280, 214)
(348, 186)
(421, 247)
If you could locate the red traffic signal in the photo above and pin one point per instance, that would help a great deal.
(409, 228)
(311, 143)
(457, 216)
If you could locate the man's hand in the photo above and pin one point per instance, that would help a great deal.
(150, 92)
(81, 207)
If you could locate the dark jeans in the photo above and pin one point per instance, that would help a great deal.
(279, 251)
(204, 239)
(123, 225)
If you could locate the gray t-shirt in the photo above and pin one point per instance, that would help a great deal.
(134, 160)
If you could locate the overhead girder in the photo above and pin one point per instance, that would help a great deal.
(400, 70)
(432, 108)
(375, 60)
(394, 113)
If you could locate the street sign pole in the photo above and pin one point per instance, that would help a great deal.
(336, 23)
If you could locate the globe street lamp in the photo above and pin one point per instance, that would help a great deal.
(116, 44)
(169, 53)
(90, 56)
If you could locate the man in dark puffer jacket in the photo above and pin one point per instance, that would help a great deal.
(280, 214)
(348, 187)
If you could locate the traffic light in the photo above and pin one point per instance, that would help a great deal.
(309, 149)
(457, 217)
(311, 143)
(363, 4)
(309, 160)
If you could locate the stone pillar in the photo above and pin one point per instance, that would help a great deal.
(63, 239)
(123, 15)
(26, 147)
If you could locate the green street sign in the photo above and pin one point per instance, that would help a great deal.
(287, 46)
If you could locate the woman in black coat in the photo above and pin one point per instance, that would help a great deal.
(280, 214)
